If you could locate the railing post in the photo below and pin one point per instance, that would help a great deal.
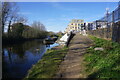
(119, 10)
(119, 4)
(113, 24)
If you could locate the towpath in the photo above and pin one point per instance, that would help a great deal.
(72, 66)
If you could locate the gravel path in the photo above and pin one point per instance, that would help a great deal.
(72, 66)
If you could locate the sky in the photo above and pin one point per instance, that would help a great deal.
(56, 15)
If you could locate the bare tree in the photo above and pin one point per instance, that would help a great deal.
(38, 25)
(5, 13)
(9, 11)
(10, 15)
(21, 19)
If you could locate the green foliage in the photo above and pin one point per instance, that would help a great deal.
(30, 32)
(48, 65)
(17, 30)
(51, 33)
(21, 32)
(103, 64)
(59, 34)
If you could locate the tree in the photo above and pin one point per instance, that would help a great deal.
(10, 15)
(13, 15)
(28, 32)
(51, 33)
(21, 19)
(17, 30)
(38, 25)
(39, 29)
(5, 13)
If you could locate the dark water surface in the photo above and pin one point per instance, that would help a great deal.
(19, 58)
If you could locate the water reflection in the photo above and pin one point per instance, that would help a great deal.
(17, 59)
(50, 46)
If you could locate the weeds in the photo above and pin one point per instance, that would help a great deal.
(103, 64)
(48, 65)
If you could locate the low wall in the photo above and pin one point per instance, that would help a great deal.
(112, 33)
(105, 33)
(116, 33)
(69, 38)
(65, 40)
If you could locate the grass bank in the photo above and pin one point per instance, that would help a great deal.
(103, 64)
(48, 65)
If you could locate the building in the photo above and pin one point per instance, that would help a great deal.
(88, 26)
(99, 24)
(75, 25)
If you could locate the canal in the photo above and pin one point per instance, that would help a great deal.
(19, 58)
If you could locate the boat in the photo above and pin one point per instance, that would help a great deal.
(49, 40)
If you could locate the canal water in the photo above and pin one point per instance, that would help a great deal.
(19, 58)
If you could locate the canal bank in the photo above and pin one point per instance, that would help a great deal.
(62, 62)
(48, 66)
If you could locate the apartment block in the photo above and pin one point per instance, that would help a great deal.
(75, 25)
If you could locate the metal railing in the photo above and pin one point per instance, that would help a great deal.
(108, 27)
(108, 19)
(113, 16)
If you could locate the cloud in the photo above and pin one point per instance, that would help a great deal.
(24, 13)
(61, 7)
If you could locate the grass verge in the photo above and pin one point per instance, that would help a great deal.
(103, 64)
(48, 65)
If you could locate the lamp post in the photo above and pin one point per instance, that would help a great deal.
(107, 15)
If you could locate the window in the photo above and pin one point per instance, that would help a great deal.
(78, 24)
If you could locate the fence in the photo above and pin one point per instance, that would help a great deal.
(108, 27)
